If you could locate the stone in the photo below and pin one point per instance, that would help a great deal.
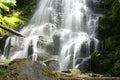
(25, 69)
(52, 63)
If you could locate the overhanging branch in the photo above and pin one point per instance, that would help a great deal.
(11, 30)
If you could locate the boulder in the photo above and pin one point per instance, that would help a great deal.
(25, 69)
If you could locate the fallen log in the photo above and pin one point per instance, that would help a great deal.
(11, 30)
(89, 78)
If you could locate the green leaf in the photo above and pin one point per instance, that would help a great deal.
(119, 1)
(4, 7)
(9, 2)
(5, 4)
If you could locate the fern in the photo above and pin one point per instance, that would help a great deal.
(5, 4)
(4, 7)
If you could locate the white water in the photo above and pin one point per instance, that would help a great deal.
(72, 21)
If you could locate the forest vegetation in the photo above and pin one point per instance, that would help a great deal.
(15, 13)
(107, 60)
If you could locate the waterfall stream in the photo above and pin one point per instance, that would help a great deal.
(64, 30)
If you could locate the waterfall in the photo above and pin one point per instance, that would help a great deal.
(62, 28)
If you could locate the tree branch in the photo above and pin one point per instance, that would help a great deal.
(11, 30)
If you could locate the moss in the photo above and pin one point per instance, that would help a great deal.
(7, 61)
(74, 71)
(56, 75)
(3, 71)
(48, 72)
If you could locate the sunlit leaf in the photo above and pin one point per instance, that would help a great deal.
(5, 4)
(9, 2)
(4, 7)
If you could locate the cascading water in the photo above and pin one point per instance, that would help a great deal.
(62, 28)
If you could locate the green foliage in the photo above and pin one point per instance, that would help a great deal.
(119, 1)
(101, 63)
(9, 2)
(96, 54)
(14, 13)
(111, 39)
(115, 10)
(110, 42)
(116, 68)
(27, 7)
(13, 21)
(4, 7)
(6, 4)
(117, 49)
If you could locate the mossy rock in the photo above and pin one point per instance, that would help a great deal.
(25, 69)
(48, 72)
(3, 70)
(6, 61)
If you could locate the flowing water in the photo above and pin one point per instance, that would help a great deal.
(61, 29)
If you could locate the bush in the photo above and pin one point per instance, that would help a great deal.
(116, 68)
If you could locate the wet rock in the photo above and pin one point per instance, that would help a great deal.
(16, 44)
(45, 44)
(2, 43)
(53, 63)
(84, 50)
(56, 40)
(24, 69)
(30, 49)
(97, 6)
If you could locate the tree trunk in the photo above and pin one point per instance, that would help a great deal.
(11, 30)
